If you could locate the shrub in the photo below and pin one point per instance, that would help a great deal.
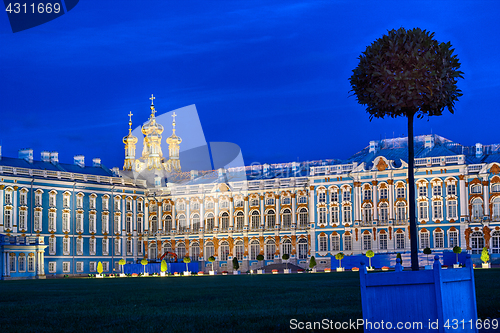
(236, 264)
(485, 256)
(312, 262)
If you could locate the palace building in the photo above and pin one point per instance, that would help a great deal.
(61, 218)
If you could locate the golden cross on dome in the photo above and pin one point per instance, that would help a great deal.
(130, 122)
(152, 98)
(173, 116)
(130, 116)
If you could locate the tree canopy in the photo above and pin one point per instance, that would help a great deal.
(407, 71)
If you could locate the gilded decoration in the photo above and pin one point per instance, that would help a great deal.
(374, 234)
(356, 232)
(487, 236)
(467, 233)
(381, 165)
(495, 169)
(390, 233)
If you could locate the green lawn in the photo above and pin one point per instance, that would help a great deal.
(258, 303)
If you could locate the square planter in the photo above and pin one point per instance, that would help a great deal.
(200, 273)
(370, 269)
(236, 272)
(456, 265)
(287, 271)
(313, 270)
(146, 274)
(162, 274)
(99, 276)
(340, 269)
(275, 271)
(260, 271)
(486, 265)
(176, 274)
(122, 275)
(187, 273)
(212, 272)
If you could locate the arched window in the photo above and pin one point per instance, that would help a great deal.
(384, 213)
(347, 243)
(335, 243)
(224, 250)
(438, 239)
(168, 223)
(153, 254)
(286, 247)
(400, 241)
(196, 222)
(323, 243)
(424, 239)
(167, 248)
(270, 219)
(303, 218)
(334, 214)
(495, 242)
(154, 225)
(240, 218)
(475, 189)
(239, 250)
(495, 188)
(453, 238)
(367, 214)
(382, 240)
(401, 212)
(255, 222)
(195, 251)
(254, 249)
(367, 242)
(303, 248)
(270, 249)
(181, 251)
(477, 209)
(477, 242)
(225, 221)
(209, 223)
(182, 223)
(346, 194)
(423, 210)
(286, 219)
(495, 214)
(209, 250)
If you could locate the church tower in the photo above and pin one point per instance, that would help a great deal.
(151, 152)
(130, 141)
(173, 164)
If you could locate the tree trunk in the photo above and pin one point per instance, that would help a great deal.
(411, 194)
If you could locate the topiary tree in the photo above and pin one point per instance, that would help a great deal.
(260, 258)
(339, 256)
(370, 254)
(285, 257)
(312, 262)
(403, 74)
(457, 250)
(485, 256)
(121, 263)
(398, 256)
(163, 266)
(427, 251)
(99, 268)
(144, 262)
(236, 264)
(186, 260)
(212, 260)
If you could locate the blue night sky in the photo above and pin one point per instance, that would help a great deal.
(269, 76)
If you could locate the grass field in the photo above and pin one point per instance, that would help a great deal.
(258, 303)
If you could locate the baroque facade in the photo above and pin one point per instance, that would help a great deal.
(68, 217)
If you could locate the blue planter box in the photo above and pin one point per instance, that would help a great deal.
(432, 298)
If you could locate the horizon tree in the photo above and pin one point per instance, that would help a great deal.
(407, 73)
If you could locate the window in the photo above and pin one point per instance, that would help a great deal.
(22, 220)
(367, 242)
(255, 221)
(495, 242)
(105, 266)
(347, 243)
(367, 213)
(321, 197)
(196, 223)
(437, 210)
(52, 245)
(210, 222)
(92, 246)
(303, 248)
(38, 199)
(453, 239)
(79, 266)
(181, 206)
(129, 205)
(128, 224)
(8, 197)
(286, 219)
(382, 239)
(105, 203)
(209, 250)
(140, 247)
(7, 222)
(286, 247)
(116, 223)
(92, 266)
(65, 222)
(129, 247)
(423, 210)
(52, 221)
(66, 266)
(92, 202)
(347, 195)
(239, 250)
(52, 199)
(422, 191)
(105, 223)
(424, 240)
(79, 246)
(38, 220)
(153, 228)
(254, 249)
(105, 247)
(52, 266)
(302, 199)
(238, 203)
(66, 201)
(31, 264)
(495, 211)
(451, 189)
(303, 217)
(477, 209)
(118, 246)
(167, 207)
(334, 196)
(140, 225)
(367, 194)
(323, 243)
(66, 246)
(439, 240)
(400, 192)
(336, 243)
(12, 265)
(240, 217)
(401, 212)
(346, 216)
(224, 250)
(210, 205)
(384, 212)
(322, 215)
(452, 210)
(436, 190)
(270, 219)
(269, 201)
(195, 205)
(286, 201)
(195, 251)
(270, 249)
(22, 263)
(477, 242)
(495, 188)
(400, 241)
(79, 222)
(140, 206)
(225, 221)
(224, 204)
(92, 223)
(116, 205)
(334, 214)
(475, 189)
(79, 202)
(383, 193)
(23, 198)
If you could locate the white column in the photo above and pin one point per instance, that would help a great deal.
(202, 215)
(134, 220)
(174, 219)
(375, 200)
(145, 220)
(391, 200)
(245, 223)
(5, 263)
(262, 210)
(217, 213)
(188, 215)
(312, 210)
(160, 216)
(294, 208)
(464, 196)
(486, 194)
(231, 217)
(1, 207)
(14, 210)
(278, 215)
(357, 201)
